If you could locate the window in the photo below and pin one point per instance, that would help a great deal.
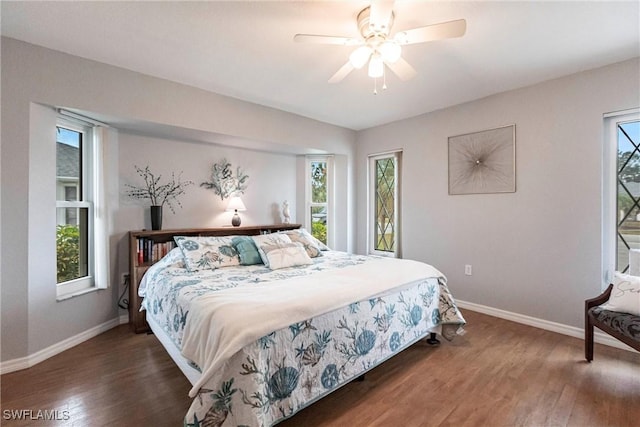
(71, 195)
(384, 206)
(622, 190)
(80, 236)
(318, 196)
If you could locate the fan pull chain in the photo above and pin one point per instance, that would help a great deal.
(384, 82)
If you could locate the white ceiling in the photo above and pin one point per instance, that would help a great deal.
(245, 49)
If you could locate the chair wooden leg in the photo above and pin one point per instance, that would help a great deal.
(588, 339)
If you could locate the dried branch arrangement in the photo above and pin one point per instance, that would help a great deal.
(157, 193)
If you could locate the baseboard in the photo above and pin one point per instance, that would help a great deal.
(31, 360)
(45, 353)
(571, 331)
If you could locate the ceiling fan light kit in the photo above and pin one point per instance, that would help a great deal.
(360, 56)
(390, 51)
(377, 47)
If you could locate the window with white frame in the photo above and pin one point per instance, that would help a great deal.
(384, 204)
(621, 213)
(318, 197)
(79, 229)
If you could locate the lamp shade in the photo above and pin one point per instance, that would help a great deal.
(235, 204)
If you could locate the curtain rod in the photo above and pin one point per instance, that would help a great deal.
(81, 118)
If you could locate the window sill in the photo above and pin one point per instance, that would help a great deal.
(69, 295)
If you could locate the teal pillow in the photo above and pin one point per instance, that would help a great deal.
(247, 250)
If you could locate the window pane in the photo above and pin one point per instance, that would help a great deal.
(318, 182)
(319, 223)
(72, 246)
(71, 193)
(68, 164)
(628, 193)
(384, 238)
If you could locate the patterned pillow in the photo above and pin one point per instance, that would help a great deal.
(202, 253)
(269, 239)
(284, 255)
(311, 237)
(309, 242)
(247, 250)
(321, 245)
(625, 295)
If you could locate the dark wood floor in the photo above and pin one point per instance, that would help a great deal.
(499, 374)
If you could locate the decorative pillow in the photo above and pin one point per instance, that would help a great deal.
(625, 295)
(321, 245)
(285, 255)
(247, 250)
(309, 242)
(202, 253)
(269, 239)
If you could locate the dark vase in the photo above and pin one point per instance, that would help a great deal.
(156, 217)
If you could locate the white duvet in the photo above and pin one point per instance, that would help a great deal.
(221, 323)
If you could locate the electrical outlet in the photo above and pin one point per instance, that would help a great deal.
(468, 270)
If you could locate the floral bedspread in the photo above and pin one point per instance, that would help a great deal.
(284, 371)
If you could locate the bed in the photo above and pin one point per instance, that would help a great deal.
(260, 342)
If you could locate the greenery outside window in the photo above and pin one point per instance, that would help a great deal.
(318, 197)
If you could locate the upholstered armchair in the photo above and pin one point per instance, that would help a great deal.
(623, 326)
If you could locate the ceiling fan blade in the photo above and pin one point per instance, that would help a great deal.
(402, 69)
(380, 15)
(444, 30)
(319, 39)
(341, 73)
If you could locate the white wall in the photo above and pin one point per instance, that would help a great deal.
(34, 80)
(537, 251)
(272, 179)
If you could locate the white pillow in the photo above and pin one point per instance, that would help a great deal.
(625, 295)
(273, 239)
(285, 255)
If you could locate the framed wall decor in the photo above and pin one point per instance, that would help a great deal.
(483, 162)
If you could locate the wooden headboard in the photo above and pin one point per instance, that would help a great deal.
(155, 241)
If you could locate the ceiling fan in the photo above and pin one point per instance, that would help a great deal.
(378, 46)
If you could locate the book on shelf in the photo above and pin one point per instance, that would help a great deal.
(150, 252)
